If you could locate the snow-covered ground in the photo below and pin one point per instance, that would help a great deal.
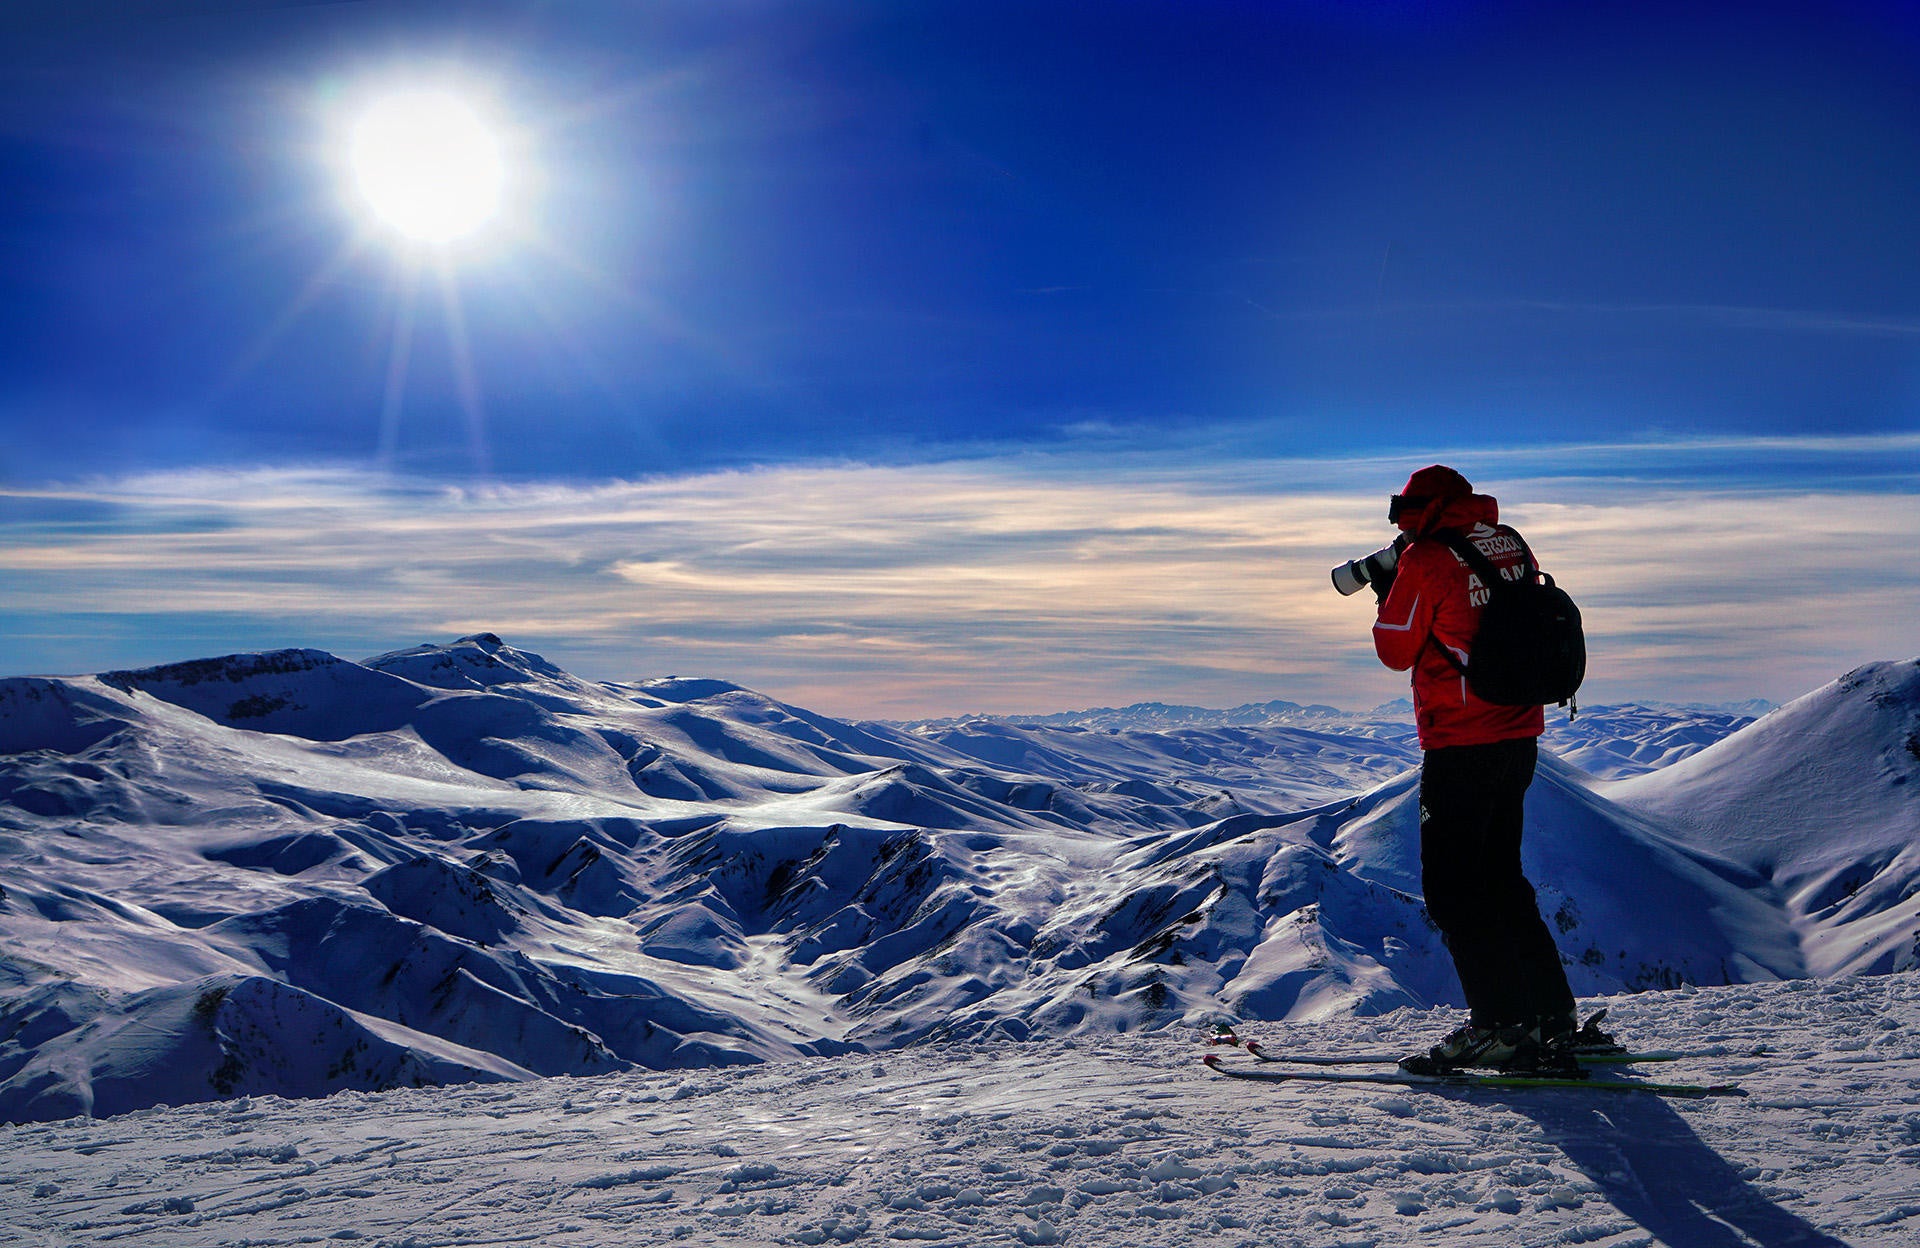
(1121, 1140)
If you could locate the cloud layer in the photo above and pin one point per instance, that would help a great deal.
(1006, 584)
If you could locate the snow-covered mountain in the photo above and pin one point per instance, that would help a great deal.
(1612, 742)
(1821, 799)
(291, 873)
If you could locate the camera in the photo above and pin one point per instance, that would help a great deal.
(1371, 569)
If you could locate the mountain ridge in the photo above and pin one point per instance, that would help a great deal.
(465, 853)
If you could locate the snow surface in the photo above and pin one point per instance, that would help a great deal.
(1107, 1140)
(290, 874)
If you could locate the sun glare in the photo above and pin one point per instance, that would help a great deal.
(427, 165)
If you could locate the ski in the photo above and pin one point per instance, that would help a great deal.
(1608, 1055)
(1468, 1079)
(1625, 1058)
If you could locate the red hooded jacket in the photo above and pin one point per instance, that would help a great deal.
(1435, 601)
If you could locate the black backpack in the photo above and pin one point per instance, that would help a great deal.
(1529, 649)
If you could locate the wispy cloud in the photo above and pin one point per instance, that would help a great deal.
(1026, 583)
(1724, 316)
(1735, 316)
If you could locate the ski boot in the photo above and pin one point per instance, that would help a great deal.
(1516, 1048)
(1464, 1047)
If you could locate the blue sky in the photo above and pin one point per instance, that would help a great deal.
(1211, 276)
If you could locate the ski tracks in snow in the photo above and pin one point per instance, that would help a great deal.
(1109, 1141)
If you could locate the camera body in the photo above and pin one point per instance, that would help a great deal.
(1377, 568)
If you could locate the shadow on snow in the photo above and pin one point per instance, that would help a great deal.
(1651, 1165)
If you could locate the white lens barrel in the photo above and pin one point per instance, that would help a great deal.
(1348, 578)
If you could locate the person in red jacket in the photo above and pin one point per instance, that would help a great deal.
(1479, 760)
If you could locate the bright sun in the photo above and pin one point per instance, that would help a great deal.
(427, 165)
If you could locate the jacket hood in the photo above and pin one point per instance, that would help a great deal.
(1436, 481)
(1464, 513)
(1454, 505)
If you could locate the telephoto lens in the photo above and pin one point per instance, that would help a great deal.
(1350, 578)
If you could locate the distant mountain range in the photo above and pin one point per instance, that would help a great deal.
(291, 873)
(1607, 741)
(1151, 715)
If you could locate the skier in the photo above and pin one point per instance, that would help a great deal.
(1479, 760)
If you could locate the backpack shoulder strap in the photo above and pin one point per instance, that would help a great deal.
(1457, 542)
(1447, 654)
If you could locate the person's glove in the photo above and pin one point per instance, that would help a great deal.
(1382, 578)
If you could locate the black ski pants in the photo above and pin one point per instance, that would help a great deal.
(1472, 805)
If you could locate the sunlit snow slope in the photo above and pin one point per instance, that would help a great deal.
(291, 873)
(1821, 799)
